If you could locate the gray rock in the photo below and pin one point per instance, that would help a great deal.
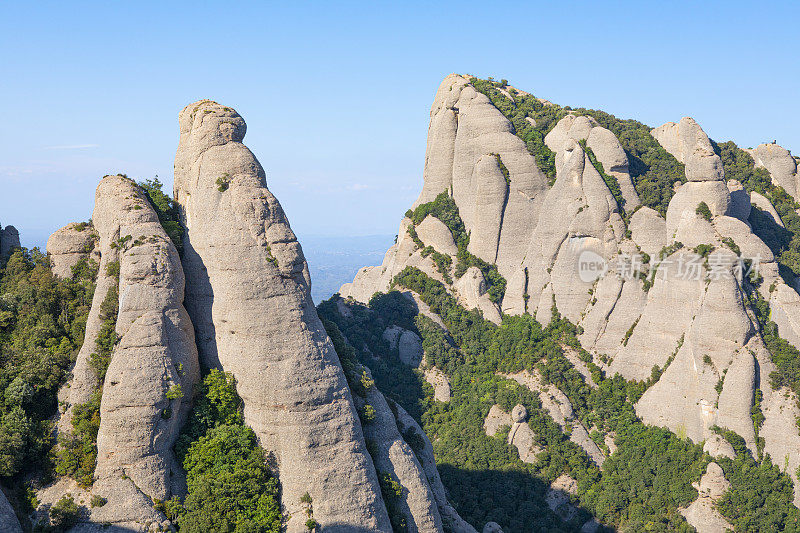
(156, 353)
(69, 245)
(248, 295)
(433, 232)
(781, 165)
(765, 205)
(472, 293)
(492, 527)
(740, 201)
(8, 520)
(716, 446)
(424, 454)
(690, 145)
(519, 414)
(9, 239)
(440, 383)
(702, 513)
(392, 455)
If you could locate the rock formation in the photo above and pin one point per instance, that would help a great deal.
(701, 513)
(9, 239)
(781, 165)
(71, 244)
(248, 296)
(709, 352)
(152, 367)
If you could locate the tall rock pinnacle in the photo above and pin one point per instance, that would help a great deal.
(248, 293)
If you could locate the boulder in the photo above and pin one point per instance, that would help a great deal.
(248, 293)
(690, 145)
(716, 446)
(472, 292)
(433, 232)
(70, 245)
(781, 165)
(519, 414)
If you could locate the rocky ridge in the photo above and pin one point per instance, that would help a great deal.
(709, 352)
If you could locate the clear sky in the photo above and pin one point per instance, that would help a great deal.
(336, 95)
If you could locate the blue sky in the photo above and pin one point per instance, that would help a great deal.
(337, 95)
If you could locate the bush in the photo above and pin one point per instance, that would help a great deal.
(166, 209)
(64, 513)
(229, 484)
(704, 211)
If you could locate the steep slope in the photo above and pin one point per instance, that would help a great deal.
(152, 357)
(248, 295)
(642, 238)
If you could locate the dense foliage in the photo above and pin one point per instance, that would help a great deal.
(445, 209)
(642, 485)
(42, 323)
(77, 454)
(230, 487)
(784, 242)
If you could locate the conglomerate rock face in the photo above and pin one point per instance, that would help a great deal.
(70, 245)
(248, 296)
(141, 412)
(685, 314)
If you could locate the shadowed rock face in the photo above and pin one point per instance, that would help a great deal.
(9, 239)
(248, 296)
(8, 520)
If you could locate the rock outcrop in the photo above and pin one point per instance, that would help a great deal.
(248, 293)
(153, 365)
(781, 165)
(8, 520)
(669, 291)
(70, 245)
(9, 239)
(701, 513)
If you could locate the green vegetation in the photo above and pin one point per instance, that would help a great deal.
(392, 492)
(64, 514)
(445, 209)
(166, 209)
(518, 111)
(654, 171)
(785, 355)
(642, 485)
(704, 211)
(784, 242)
(230, 486)
(77, 454)
(611, 181)
(223, 182)
(42, 324)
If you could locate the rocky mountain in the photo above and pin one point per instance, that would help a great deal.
(672, 256)
(585, 324)
(201, 332)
